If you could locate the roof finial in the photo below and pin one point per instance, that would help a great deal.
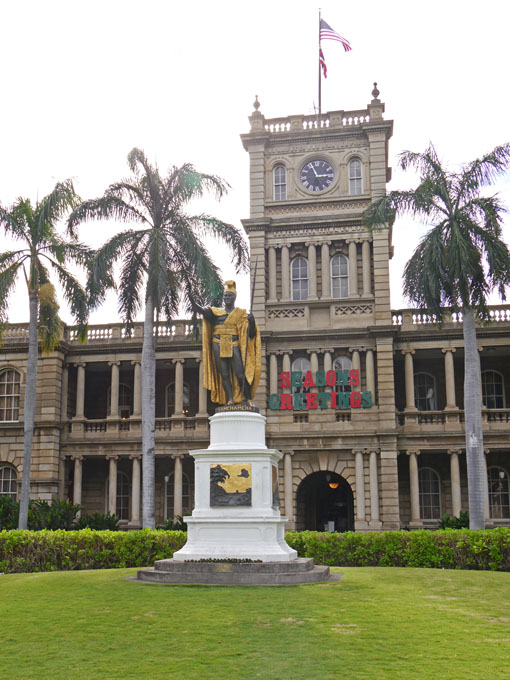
(256, 103)
(375, 91)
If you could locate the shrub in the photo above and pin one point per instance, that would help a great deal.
(98, 522)
(448, 549)
(175, 524)
(9, 512)
(460, 522)
(58, 514)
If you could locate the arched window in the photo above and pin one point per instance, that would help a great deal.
(499, 493)
(123, 489)
(187, 500)
(8, 481)
(493, 389)
(170, 399)
(343, 364)
(339, 276)
(125, 401)
(355, 177)
(9, 395)
(425, 392)
(301, 364)
(430, 494)
(299, 277)
(280, 183)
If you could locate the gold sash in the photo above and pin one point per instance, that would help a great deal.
(226, 343)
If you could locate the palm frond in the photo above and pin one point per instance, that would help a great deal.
(205, 225)
(8, 276)
(105, 208)
(483, 171)
(54, 207)
(49, 324)
(75, 295)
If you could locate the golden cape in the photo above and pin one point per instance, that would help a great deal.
(237, 318)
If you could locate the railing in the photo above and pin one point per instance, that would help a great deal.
(498, 416)
(181, 328)
(94, 425)
(411, 319)
(333, 119)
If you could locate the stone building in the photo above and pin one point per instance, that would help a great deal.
(382, 448)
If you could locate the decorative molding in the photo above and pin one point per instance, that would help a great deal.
(351, 310)
(287, 313)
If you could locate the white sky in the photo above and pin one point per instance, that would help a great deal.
(84, 82)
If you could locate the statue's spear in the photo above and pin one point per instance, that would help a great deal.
(248, 332)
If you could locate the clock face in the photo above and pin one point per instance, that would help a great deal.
(317, 175)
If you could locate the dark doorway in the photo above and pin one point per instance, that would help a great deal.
(325, 503)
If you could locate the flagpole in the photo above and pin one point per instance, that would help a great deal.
(319, 60)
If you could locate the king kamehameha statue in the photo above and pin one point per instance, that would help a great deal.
(231, 352)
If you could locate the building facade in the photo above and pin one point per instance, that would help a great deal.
(365, 402)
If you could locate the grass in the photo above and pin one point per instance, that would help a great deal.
(376, 623)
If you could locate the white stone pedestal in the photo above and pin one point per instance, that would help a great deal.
(252, 532)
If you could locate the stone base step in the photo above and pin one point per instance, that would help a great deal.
(301, 570)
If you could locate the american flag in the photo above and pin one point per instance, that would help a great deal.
(323, 63)
(327, 33)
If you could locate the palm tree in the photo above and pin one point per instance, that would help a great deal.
(164, 265)
(42, 251)
(454, 268)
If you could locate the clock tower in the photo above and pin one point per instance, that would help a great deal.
(322, 302)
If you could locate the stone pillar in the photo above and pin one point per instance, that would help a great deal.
(325, 269)
(414, 488)
(409, 378)
(137, 389)
(486, 489)
(365, 263)
(375, 522)
(271, 257)
(177, 484)
(455, 481)
(353, 269)
(285, 274)
(135, 490)
(361, 522)
(314, 361)
(328, 364)
(449, 377)
(65, 387)
(273, 373)
(312, 271)
(286, 368)
(77, 481)
(179, 386)
(114, 389)
(356, 364)
(112, 485)
(287, 481)
(370, 373)
(80, 391)
(202, 392)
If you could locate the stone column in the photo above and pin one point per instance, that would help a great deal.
(179, 385)
(287, 482)
(374, 492)
(370, 373)
(449, 377)
(135, 489)
(271, 257)
(328, 364)
(414, 489)
(353, 269)
(112, 484)
(356, 364)
(285, 274)
(325, 269)
(360, 490)
(409, 378)
(312, 271)
(77, 481)
(314, 361)
(202, 392)
(286, 368)
(455, 481)
(486, 489)
(80, 391)
(65, 387)
(177, 484)
(365, 263)
(273, 373)
(137, 389)
(114, 389)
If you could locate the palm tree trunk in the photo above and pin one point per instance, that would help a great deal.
(148, 417)
(29, 410)
(473, 417)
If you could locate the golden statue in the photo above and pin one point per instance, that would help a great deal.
(231, 351)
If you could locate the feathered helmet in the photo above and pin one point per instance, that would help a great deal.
(230, 287)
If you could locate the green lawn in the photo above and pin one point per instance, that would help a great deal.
(376, 623)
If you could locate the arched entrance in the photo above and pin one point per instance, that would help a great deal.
(325, 503)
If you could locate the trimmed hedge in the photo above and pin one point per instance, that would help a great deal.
(30, 551)
(448, 549)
